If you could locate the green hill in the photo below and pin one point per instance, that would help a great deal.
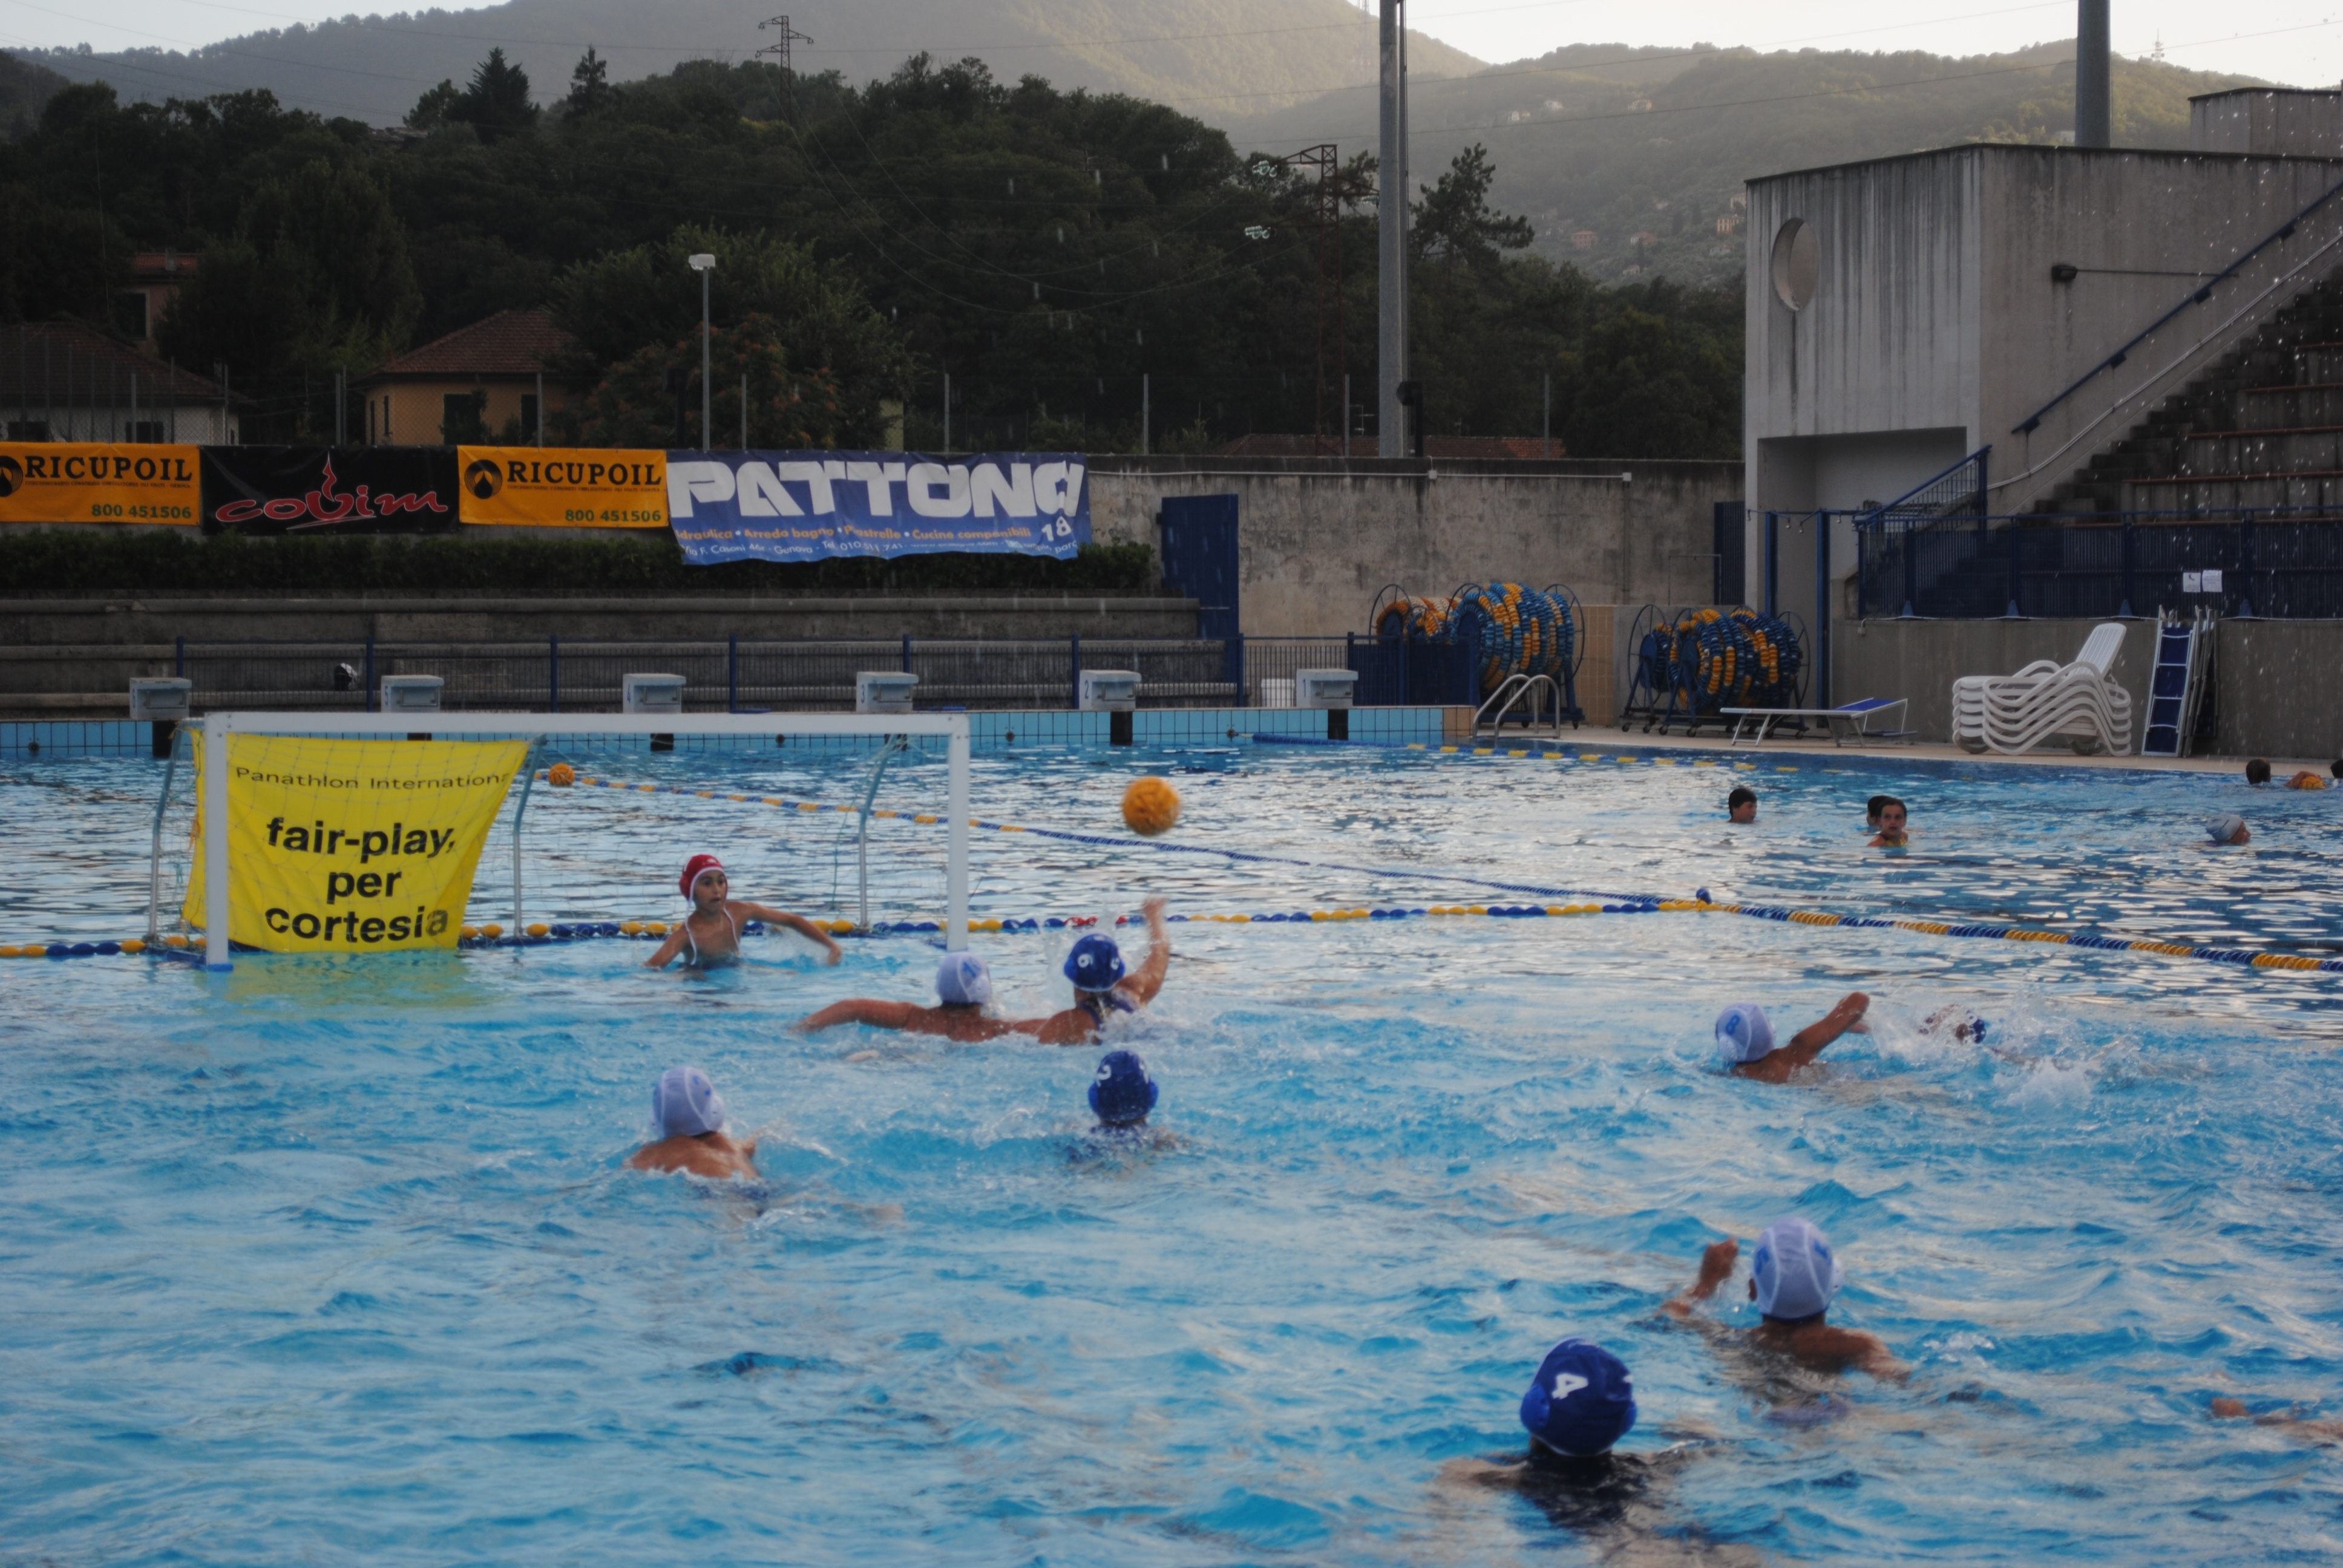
(1628, 162)
(1207, 57)
(23, 88)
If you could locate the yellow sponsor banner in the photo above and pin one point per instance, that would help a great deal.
(352, 846)
(99, 482)
(562, 487)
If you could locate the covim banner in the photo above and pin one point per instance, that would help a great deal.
(563, 487)
(77, 482)
(808, 506)
(331, 489)
(352, 846)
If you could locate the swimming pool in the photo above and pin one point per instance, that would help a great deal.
(330, 1258)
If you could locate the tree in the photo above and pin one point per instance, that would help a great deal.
(497, 103)
(589, 85)
(1454, 221)
(651, 399)
(621, 301)
(435, 108)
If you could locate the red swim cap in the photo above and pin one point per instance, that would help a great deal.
(693, 867)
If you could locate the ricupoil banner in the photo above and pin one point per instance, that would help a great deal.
(330, 489)
(98, 482)
(563, 486)
(808, 506)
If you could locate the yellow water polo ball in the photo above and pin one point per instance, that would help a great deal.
(1150, 807)
(561, 776)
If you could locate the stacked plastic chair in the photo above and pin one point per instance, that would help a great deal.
(2078, 704)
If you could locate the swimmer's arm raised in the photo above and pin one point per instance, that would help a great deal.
(798, 923)
(858, 1009)
(1141, 987)
(1808, 1042)
(1716, 1268)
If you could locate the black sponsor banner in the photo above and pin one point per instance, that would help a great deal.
(330, 489)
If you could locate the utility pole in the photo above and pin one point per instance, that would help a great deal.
(786, 36)
(703, 264)
(2094, 121)
(1390, 204)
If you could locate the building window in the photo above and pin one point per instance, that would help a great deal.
(1797, 262)
(461, 416)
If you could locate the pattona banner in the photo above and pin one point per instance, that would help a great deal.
(807, 506)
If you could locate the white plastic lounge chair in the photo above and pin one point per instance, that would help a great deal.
(1848, 721)
(2078, 704)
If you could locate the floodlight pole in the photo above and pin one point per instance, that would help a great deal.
(1390, 222)
(703, 264)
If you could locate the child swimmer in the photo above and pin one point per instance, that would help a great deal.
(711, 931)
(964, 989)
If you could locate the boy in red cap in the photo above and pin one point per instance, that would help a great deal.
(710, 934)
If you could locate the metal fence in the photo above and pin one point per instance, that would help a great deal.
(2280, 564)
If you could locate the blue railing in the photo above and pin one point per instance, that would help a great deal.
(2280, 563)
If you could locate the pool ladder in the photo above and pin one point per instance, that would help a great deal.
(1516, 688)
(2184, 650)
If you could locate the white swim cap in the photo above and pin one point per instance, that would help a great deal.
(685, 1104)
(1743, 1033)
(963, 978)
(1794, 1271)
(2225, 829)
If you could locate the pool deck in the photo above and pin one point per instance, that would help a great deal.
(1714, 745)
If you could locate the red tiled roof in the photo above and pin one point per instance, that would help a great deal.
(164, 266)
(509, 343)
(61, 364)
(1496, 448)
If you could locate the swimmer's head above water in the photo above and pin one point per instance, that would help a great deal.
(1741, 806)
(707, 868)
(2257, 771)
(1121, 1092)
(1793, 1276)
(685, 1104)
(2229, 827)
(1744, 1033)
(1581, 1402)
(1094, 964)
(962, 980)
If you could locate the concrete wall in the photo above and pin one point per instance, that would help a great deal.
(2278, 684)
(1319, 538)
(2283, 120)
(1934, 311)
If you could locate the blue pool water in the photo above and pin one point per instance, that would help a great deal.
(330, 1258)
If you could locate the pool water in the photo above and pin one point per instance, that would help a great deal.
(329, 1259)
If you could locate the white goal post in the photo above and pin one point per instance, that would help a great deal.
(218, 727)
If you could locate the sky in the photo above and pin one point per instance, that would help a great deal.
(2296, 42)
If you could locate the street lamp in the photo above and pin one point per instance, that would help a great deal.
(703, 264)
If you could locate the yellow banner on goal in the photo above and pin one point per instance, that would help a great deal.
(352, 846)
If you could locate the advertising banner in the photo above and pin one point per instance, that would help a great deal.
(331, 489)
(808, 506)
(96, 482)
(562, 487)
(352, 846)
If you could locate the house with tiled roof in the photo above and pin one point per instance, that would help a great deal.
(60, 381)
(485, 382)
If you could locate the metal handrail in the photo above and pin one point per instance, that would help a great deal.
(1515, 687)
(1880, 513)
(2201, 294)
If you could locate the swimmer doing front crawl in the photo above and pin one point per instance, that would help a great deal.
(1793, 1279)
(1744, 1036)
(711, 931)
(690, 1116)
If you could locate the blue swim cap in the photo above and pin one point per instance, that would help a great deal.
(1744, 1033)
(685, 1104)
(1122, 1093)
(1095, 963)
(1582, 1399)
(963, 980)
(1794, 1271)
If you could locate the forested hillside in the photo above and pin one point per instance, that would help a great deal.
(1046, 250)
(1628, 161)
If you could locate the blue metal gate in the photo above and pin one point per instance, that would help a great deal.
(1200, 558)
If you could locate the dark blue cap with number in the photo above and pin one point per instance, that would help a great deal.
(1095, 963)
(1582, 1400)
